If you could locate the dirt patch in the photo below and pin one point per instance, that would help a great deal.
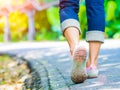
(12, 75)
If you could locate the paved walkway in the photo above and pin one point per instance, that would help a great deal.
(52, 62)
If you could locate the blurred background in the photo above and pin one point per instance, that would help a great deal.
(38, 20)
(23, 20)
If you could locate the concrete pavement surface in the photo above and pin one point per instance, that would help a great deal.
(54, 57)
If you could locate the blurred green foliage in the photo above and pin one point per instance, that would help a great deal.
(112, 8)
(47, 23)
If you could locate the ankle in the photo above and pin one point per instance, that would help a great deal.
(72, 48)
(89, 64)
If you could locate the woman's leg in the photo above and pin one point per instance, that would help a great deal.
(71, 30)
(72, 36)
(96, 25)
(69, 22)
(94, 48)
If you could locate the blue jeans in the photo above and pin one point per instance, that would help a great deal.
(95, 15)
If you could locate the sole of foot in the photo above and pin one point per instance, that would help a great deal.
(79, 65)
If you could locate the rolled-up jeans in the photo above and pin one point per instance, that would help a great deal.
(95, 17)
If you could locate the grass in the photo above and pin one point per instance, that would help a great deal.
(12, 75)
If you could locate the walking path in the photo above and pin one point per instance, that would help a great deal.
(51, 64)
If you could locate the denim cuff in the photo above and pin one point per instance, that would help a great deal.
(95, 36)
(70, 23)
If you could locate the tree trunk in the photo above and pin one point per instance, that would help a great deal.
(6, 30)
(31, 28)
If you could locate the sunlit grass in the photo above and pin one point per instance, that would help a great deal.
(12, 75)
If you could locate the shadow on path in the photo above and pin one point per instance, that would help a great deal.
(57, 63)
